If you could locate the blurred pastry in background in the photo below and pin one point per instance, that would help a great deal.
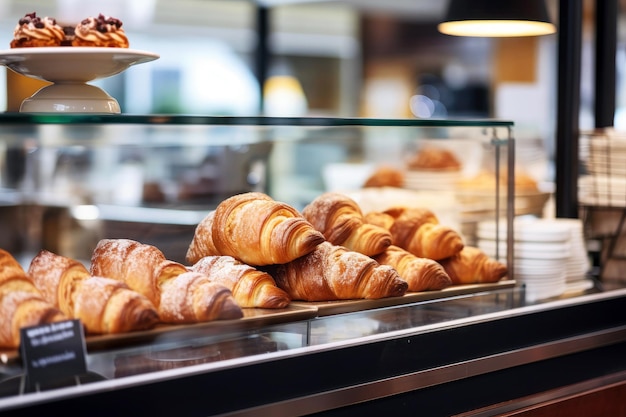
(434, 158)
(486, 181)
(385, 176)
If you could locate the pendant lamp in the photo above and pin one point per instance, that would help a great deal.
(497, 18)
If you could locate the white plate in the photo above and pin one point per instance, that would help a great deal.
(71, 63)
(541, 279)
(533, 250)
(69, 68)
(529, 231)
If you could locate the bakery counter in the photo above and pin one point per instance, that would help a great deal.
(487, 350)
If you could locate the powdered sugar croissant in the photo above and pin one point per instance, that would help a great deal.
(422, 274)
(255, 229)
(341, 221)
(191, 297)
(142, 267)
(103, 305)
(332, 272)
(21, 303)
(178, 296)
(250, 286)
(418, 231)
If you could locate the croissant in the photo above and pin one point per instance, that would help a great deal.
(191, 297)
(21, 303)
(142, 267)
(340, 220)
(422, 274)
(250, 286)
(418, 231)
(332, 272)
(103, 305)
(471, 265)
(255, 229)
(145, 269)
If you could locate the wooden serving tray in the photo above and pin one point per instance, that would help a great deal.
(253, 318)
(327, 308)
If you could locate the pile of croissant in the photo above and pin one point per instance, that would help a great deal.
(251, 251)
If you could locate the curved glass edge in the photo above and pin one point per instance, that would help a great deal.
(156, 119)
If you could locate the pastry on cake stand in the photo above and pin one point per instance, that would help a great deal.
(69, 69)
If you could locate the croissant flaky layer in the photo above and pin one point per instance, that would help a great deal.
(105, 305)
(191, 297)
(418, 231)
(332, 272)
(341, 221)
(255, 229)
(202, 243)
(250, 286)
(21, 303)
(471, 266)
(57, 278)
(422, 274)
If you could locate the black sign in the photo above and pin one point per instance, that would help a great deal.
(52, 352)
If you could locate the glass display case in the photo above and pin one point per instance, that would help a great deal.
(71, 180)
(109, 175)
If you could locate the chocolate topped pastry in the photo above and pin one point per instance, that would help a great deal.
(100, 31)
(34, 31)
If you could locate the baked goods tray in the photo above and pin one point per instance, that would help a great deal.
(253, 318)
(328, 308)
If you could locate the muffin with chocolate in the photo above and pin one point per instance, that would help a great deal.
(100, 31)
(35, 31)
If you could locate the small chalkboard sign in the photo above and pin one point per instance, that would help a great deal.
(52, 351)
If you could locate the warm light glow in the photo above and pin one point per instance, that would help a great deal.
(85, 212)
(284, 96)
(496, 28)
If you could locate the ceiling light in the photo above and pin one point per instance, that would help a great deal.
(497, 18)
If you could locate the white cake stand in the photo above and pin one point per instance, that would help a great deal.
(70, 69)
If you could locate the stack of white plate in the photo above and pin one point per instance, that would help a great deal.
(602, 190)
(578, 264)
(606, 166)
(548, 253)
(607, 155)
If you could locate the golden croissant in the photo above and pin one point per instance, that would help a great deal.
(255, 229)
(422, 274)
(21, 303)
(250, 286)
(103, 305)
(471, 265)
(332, 272)
(340, 220)
(145, 269)
(418, 231)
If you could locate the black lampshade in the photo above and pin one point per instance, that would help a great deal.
(497, 18)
